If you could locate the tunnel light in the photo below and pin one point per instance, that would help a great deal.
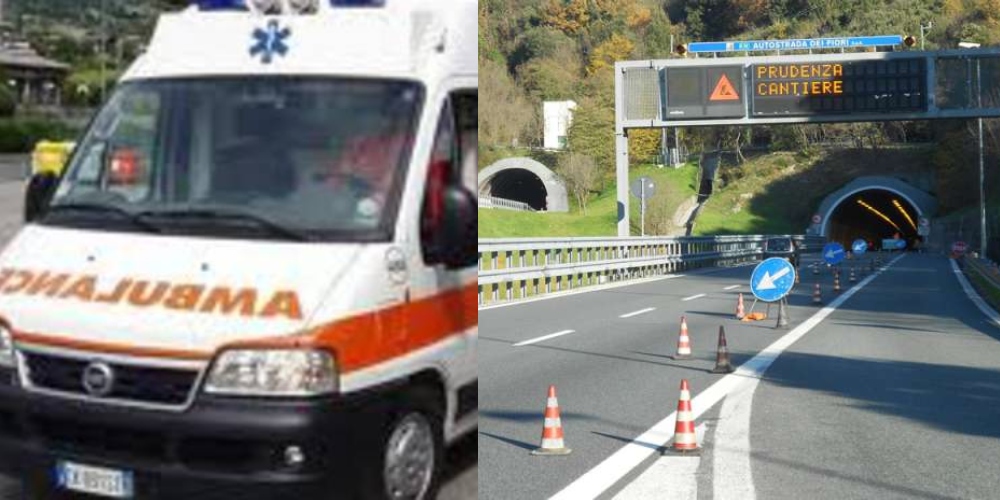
(879, 214)
(905, 214)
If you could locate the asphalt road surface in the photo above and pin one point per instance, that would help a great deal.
(461, 468)
(891, 390)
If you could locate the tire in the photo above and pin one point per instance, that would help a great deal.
(408, 433)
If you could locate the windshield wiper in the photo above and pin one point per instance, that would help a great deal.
(84, 206)
(260, 221)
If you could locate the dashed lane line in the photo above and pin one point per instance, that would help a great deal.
(636, 313)
(731, 287)
(700, 295)
(544, 338)
(613, 469)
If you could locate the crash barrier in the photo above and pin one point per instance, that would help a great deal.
(515, 269)
(985, 277)
(504, 204)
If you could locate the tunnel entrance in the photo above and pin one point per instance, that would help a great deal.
(521, 185)
(874, 214)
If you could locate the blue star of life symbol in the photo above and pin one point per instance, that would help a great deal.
(270, 42)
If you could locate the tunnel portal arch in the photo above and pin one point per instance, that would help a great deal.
(922, 202)
(525, 180)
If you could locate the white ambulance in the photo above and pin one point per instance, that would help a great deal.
(255, 279)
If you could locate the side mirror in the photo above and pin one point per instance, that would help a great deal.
(461, 228)
(450, 233)
(41, 186)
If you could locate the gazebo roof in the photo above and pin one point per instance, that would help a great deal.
(23, 56)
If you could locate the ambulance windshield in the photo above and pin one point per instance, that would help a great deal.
(317, 158)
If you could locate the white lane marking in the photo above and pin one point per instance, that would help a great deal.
(557, 295)
(700, 295)
(603, 476)
(731, 474)
(544, 338)
(636, 313)
(670, 476)
(973, 295)
(731, 287)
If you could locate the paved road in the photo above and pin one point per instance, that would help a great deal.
(461, 470)
(893, 394)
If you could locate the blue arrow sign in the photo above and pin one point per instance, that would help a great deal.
(796, 44)
(859, 246)
(772, 279)
(833, 253)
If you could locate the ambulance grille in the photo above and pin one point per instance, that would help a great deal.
(160, 386)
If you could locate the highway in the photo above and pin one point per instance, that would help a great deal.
(460, 476)
(891, 390)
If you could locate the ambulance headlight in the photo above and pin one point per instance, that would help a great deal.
(266, 6)
(272, 372)
(304, 6)
(6, 347)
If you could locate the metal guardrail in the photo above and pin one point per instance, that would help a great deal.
(503, 203)
(512, 269)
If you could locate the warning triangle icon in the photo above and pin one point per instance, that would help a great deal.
(724, 91)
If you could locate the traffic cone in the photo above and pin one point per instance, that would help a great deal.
(836, 283)
(685, 440)
(683, 342)
(740, 313)
(552, 431)
(817, 296)
(852, 278)
(797, 274)
(815, 268)
(722, 364)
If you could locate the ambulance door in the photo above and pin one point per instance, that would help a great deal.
(458, 317)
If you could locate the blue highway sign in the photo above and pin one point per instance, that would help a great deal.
(772, 279)
(833, 253)
(859, 246)
(796, 44)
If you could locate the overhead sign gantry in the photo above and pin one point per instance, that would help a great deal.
(808, 88)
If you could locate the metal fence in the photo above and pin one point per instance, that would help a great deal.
(514, 269)
(505, 204)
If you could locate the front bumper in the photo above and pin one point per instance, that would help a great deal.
(217, 448)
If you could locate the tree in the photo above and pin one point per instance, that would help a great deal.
(504, 112)
(580, 174)
(616, 48)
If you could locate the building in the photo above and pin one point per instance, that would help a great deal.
(557, 116)
(35, 80)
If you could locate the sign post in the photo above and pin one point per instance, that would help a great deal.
(643, 188)
(771, 281)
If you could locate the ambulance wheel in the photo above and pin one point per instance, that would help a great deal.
(406, 463)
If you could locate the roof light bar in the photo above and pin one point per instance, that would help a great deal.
(221, 4)
(358, 3)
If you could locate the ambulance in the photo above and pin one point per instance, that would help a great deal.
(255, 276)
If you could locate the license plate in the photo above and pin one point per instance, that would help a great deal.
(94, 480)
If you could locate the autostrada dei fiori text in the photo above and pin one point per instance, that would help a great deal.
(798, 79)
(189, 297)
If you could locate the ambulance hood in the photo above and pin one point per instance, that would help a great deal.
(162, 293)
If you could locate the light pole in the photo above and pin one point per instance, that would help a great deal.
(922, 30)
(982, 175)
(104, 51)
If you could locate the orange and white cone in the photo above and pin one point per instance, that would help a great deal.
(740, 313)
(683, 342)
(552, 432)
(817, 296)
(852, 278)
(836, 283)
(685, 439)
